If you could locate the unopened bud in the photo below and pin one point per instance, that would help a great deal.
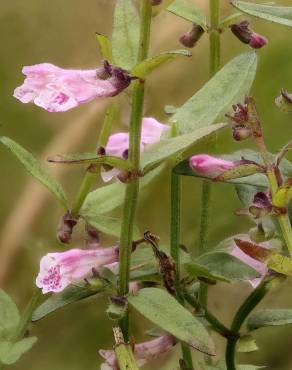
(284, 101)
(101, 150)
(190, 38)
(156, 2)
(247, 36)
(65, 227)
(241, 132)
(261, 205)
(93, 239)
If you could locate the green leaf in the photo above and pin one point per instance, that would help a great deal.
(188, 11)
(125, 37)
(195, 270)
(163, 310)
(175, 148)
(159, 8)
(107, 198)
(10, 352)
(227, 21)
(144, 68)
(246, 344)
(110, 225)
(227, 267)
(277, 14)
(89, 158)
(269, 317)
(71, 294)
(9, 316)
(215, 98)
(34, 167)
(105, 46)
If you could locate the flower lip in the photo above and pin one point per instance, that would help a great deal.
(204, 164)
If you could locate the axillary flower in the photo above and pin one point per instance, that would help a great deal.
(57, 90)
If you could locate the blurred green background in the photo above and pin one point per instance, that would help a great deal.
(63, 32)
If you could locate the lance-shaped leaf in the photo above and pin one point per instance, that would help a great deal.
(144, 68)
(222, 266)
(105, 46)
(69, 295)
(283, 195)
(35, 168)
(125, 39)
(215, 98)
(272, 13)
(109, 197)
(9, 316)
(89, 158)
(175, 149)
(274, 261)
(159, 8)
(189, 11)
(269, 317)
(164, 310)
(227, 21)
(10, 352)
(110, 225)
(241, 170)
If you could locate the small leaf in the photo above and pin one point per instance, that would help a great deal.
(34, 167)
(110, 225)
(69, 295)
(109, 197)
(188, 11)
(277, 14)
(105, 46)
(89, 158)
(215, 98)
(125, 39)
(269, 317)
(246, 344)
(240, 171)
(9, 316)
(159, 8)
(144, 68)
(195, 270)
(175, 148)
(10, 352)
(163, 310)
(226, 266)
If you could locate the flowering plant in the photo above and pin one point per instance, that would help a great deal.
(167, 283)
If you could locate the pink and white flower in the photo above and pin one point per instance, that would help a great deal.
(143, 352)
(58, 90)
(204, 164)
(58, 270)
(118, 144)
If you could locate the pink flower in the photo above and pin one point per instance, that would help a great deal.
(58, 270)
(257, 41)
(144, 352)
(58, 90)
(118, 144)
(246, 35)
(204, 164)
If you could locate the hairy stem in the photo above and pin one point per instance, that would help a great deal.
(90, 177)
(175, 216)
(132, 190)
(244, 310)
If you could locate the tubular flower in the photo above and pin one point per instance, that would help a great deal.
(58, 270)
(143, 352)
(204, 164)
(118, 144)
(58, 90)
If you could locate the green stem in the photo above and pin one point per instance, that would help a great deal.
(132, 189)
(245, 309)
(90, 177)
(175, 223)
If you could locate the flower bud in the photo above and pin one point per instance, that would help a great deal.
(156, 2)
(241, 132)
(190, 38)
(261, 205)
(247, 36)
(65, 227)
(284, 101)
(204, 164)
